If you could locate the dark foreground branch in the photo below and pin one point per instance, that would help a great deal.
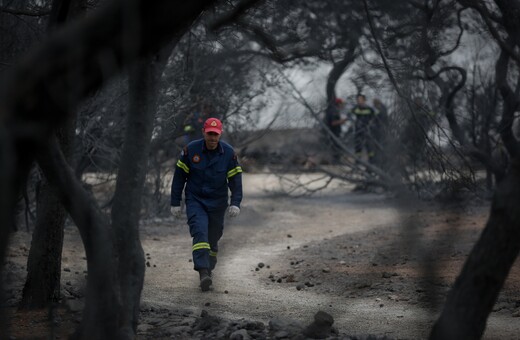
(101, 303)
(25, 12)
(232, 16)
(36, 97)
(82, 55)
(476, 289)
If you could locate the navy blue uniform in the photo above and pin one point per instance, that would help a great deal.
(332, 114)
(206, 176)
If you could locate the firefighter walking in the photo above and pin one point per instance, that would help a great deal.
(207, 168)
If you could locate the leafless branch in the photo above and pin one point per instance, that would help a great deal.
(450, 115)
(487, 17)
(511, 104)
(385, 179)
(261, 135)
(305, 186)
(279, 52)
(459, 37)
(387, 65)
(91, 223)
(23, 12)
(233, 16)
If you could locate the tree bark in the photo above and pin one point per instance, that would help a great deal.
(41, 95)
(89, 52)
(338, 69)
(8, 200)
(510, 105)
(42, 285)
(130, 180)
(100, 313)
(475, 291)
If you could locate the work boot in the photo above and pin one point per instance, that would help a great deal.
(205, 280)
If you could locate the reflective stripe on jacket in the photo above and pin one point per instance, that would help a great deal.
(206, 175)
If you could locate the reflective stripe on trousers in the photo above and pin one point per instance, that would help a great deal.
(206, 229)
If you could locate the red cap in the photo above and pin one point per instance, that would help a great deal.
(339, 101)
(213, 125)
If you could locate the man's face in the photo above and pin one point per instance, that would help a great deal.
(361, 100)
(211, 138)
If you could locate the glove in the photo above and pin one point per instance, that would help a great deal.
(233, 211)
(176, 212)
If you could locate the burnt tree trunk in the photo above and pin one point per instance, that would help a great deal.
(126, 208)
(338, 69)
(42, 285)
(475, 291)
(8, 201)
(30, 113)
(101, 308)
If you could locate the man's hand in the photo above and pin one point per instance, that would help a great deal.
(176, 212)
(233, 211)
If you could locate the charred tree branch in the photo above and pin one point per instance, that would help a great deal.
(459, 37)
(101, 303)
(487, 267)
(338, 69)
(23, 12)
(279, 53)
(511, 104)
(41, 95)
(488, 17)
(384, 179)
(234, 15)
(42, 286)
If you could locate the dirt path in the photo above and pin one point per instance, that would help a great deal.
(354, 256)
(260, 234)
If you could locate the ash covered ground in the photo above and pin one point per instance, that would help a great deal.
(370, 264)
